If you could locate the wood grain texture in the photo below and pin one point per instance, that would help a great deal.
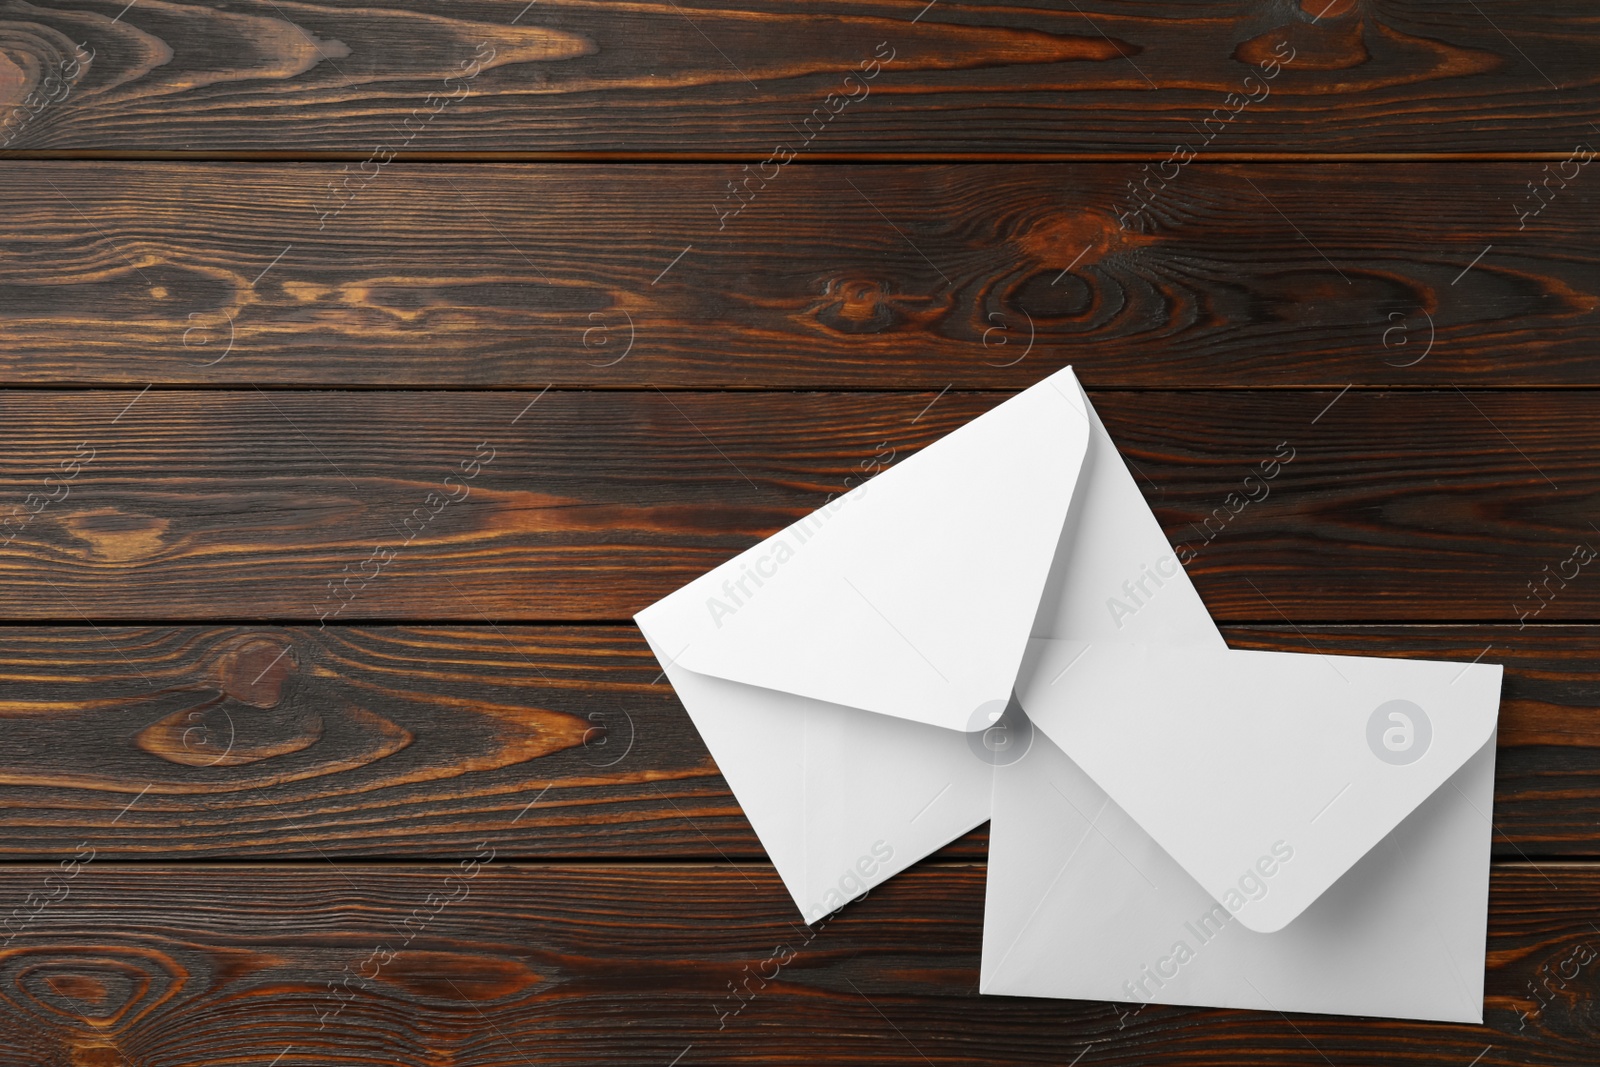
(589, 76)
(1220, 309)
(550, 742)
(1393, 506)
(421, 966)
(828, 277)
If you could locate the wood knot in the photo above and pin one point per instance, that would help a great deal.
(87, 991)
(1078, 240)
(857, 305)
(117, 536)
(253, 669)
(1324, 45)
(246, 675)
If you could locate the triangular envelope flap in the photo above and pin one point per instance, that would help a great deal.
(1116, 577)
(911, 595)
(1266, 775)
(840, 798)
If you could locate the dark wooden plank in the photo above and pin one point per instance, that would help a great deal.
(555, 742)
(298, 741)
(834, 277)
(497, 965)
(1393, 506)
(588, 76)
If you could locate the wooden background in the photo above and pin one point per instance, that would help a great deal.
(271, 270)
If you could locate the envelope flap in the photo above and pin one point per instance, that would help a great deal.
(840, 798)
(911, 595)
(1265, 775)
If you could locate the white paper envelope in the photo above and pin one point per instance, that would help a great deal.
(845, 794)
(1083, 903)
(1229, 759)
(857, 678)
